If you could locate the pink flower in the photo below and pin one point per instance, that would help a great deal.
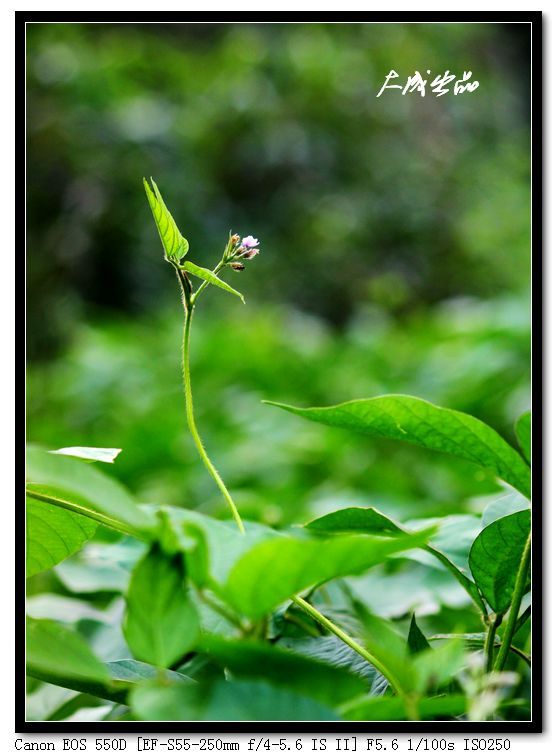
(249, 242)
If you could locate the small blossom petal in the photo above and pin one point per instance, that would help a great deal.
(250, 242)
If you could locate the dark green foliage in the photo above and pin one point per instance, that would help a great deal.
(495, 557)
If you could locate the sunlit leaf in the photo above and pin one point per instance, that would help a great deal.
(210, 277)
(53, 534)
(89, 453)
(433, 427)
(374, 522)
(274, 570)
(83, 489)
(174, 244)
(55, 653)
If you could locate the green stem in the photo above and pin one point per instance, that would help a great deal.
(409, 701)
(190, 417)
(518, 592)
(522, 619)
(492, 624)
(466, 583)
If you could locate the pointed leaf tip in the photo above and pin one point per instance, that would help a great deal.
(174, 244)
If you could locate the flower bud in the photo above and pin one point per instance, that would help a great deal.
(237, 266)
(249, 254)
(235, 239)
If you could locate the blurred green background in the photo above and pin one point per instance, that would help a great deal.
(395, 251)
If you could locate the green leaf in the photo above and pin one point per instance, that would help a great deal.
(283, 668)
(53, 534)
(130, 671)
(495, 558)
(368, 520)
(416, 641)
(174, 244)
(223, 544)
(417, 421)
(334, 652)
(60, 656)
(210, 277)
(224, 701)
(90, 454)
(392, 708)
(374, 522)
(161, 623)
(437, 666)
(83, 489)
(274, 570)
(523, 431)
(55, 653)
(390, 649)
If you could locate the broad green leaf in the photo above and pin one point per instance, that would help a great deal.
(83, 489)
(90, 454)
(130, 671)
(224, 701)
(437, 666)
(274, 570)
(58, 655)
(417, 421)
(174, 244)
(283, 668)
(392, 708)
(389, 648)
(161, 623)
(334, 652)
(495, 557)
(416, 641)
(53, 534)
(523, 431)
(374, 522)
(55, 653)
(210, 277)
(224, 543)
(353, 519)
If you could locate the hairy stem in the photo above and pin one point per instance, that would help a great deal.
(409, 701)
(191, 419)
(518, 592)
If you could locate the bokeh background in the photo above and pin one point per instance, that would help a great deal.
(395, 252)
